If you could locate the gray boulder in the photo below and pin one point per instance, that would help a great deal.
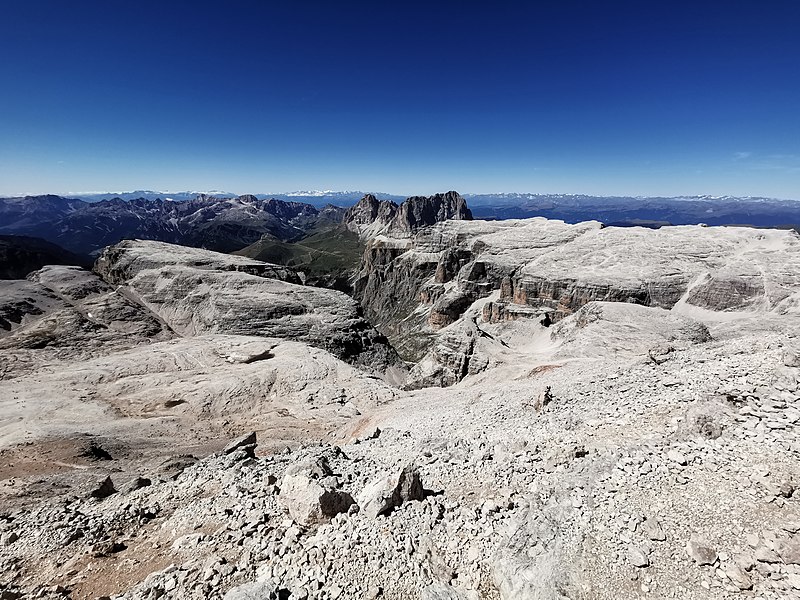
(387, 493)
(311, 494)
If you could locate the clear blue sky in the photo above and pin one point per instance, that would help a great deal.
(643, 97)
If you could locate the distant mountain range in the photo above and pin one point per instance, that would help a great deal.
(222, 224)
(228, 223)
(573, 208)
(647, 211)
(313, 197)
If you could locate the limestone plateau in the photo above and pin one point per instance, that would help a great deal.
(517, 409)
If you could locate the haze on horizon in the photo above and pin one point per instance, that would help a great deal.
(616, 98)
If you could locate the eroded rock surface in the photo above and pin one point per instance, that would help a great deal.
(64, 313)
(416, 285)
(197, 291)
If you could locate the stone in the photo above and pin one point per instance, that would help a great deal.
(311, 495)
(739, 578)
(386, 493)
(791, 358)
(542, 399)
(136, 483)
(744, 561)
(700, 551)
(651, 528)
(254, 591)
(104, 489)
(765, 555)
(442, 591)
(247, 442)
(788, 550)
(8, 538)
(791, 526)
(637, 557)
(677, 457)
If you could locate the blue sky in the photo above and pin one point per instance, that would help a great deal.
(641, 98)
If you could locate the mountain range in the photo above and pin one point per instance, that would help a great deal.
(228, 223)
(318, 198)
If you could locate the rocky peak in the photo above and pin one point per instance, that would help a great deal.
(372, 217)
(422, 211)
(368, 211)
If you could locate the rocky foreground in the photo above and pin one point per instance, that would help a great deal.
(592, 413)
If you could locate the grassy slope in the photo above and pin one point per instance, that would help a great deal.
(327, 251)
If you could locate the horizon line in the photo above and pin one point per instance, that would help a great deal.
(308, 193)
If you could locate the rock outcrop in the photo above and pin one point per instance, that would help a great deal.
(198, 291)
(371, 217)
(413, 286)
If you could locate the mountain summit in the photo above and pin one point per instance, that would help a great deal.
(374, 217)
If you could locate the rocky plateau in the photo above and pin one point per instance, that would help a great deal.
(580, 412)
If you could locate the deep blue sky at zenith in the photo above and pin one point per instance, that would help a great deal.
(604, 97)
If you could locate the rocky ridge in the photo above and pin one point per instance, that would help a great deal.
(371, 217)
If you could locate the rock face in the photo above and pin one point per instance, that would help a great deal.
(413, 286)
(198, 291)
(372, 217)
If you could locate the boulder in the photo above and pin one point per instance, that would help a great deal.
(789, 550)
(387, 493)
(104, 489)
(247, 443)
(311, 494)
(137, 483)
(652, 530)
(700, 551)
(638, 557)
